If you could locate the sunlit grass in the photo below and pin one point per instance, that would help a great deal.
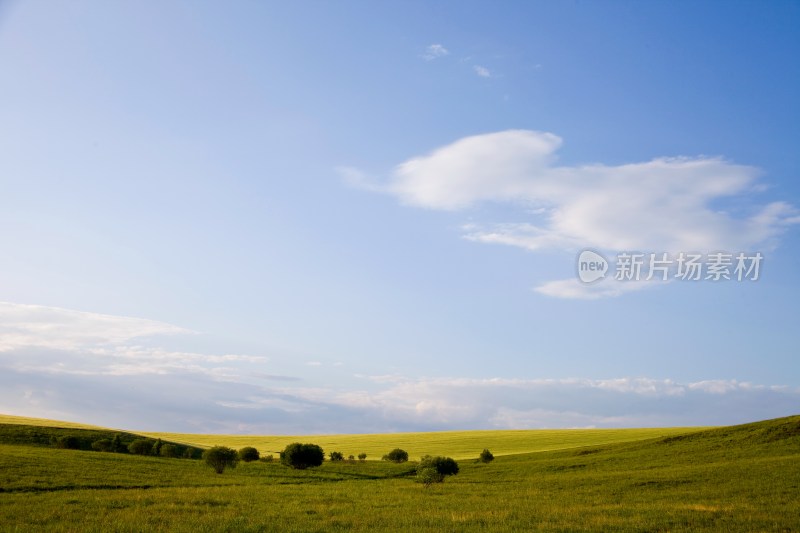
(456, 444)
(743, 478)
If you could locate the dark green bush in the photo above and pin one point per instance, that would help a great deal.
(68, 442)
(221, 457)
(362, 457)
(434, 469)
(337, 456)
(302, 456)
(248, 453)
(486, 456)
(141, 446)
(116, 444)
(268, 458)
(396, 456)
(103, 445)
(169, 450)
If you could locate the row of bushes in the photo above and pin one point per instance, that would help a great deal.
(138, 447)
(429, 470)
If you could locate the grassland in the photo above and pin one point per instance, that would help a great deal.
(456, 444)
(44, 422)
(742, 478)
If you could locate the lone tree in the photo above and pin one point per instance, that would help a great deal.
(434, 469)
(220, 457)
(337, 456)
(248, 453)
(396, 456)
(302, 456)
(486, 456)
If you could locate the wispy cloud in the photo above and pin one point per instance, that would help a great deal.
(483, 72)
(35, 338)
(661, 205)
(434, 51)
(63, 364)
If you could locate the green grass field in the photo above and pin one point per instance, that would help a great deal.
(741, 478)
(456, 444)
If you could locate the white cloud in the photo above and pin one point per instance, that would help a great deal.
(40, 339)
(483, 72)
(26, 326)
(435, 51)
(661, 205)
(573, 289)
(453, 403)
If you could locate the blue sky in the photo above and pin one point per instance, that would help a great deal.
(316, 217)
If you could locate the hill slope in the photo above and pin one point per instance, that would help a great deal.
(739, 478)
(456, 444)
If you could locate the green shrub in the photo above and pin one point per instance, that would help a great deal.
(268, 458)
(169, 450)
(337, 456)
(434, 469)
(486, 456)
(396, 456)
(429, 475)
(221, 457)
(68, 442)
(351, 458)
(156, 450)
(141, 446)
(302, 456)
(362, 457)
(102, 445)
(248, 453)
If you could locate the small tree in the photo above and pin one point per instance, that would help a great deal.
(268, 458)
(141, 447)
(102, 445)
(248, 453)
(396, 456)
(220, 457)
(351, 458)
(337, 456)
(116, 444)
(434, 469)
(486, 456)
(302, 456)
(362, 457)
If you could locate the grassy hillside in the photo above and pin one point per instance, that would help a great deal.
(456, 444)
(28, 421)
(83, 437)
(742, 478)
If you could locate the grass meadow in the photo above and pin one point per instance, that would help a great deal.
(741, 478)
(456, 444)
